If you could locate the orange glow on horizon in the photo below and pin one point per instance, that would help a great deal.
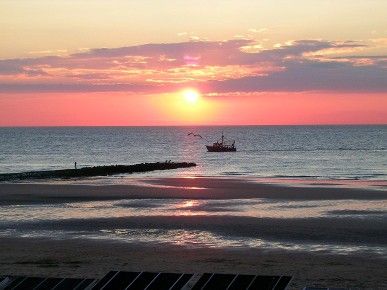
(171, 109)
(187, 107)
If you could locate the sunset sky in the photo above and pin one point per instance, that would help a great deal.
(112, 63)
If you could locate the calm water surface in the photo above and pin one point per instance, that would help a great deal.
(326, 152)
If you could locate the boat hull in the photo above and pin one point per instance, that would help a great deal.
(220, 149)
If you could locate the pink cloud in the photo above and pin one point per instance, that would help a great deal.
(215, 66)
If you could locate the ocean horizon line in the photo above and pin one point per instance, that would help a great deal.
(190, 126)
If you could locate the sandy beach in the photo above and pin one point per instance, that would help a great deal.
(322, 234)
(84, 258)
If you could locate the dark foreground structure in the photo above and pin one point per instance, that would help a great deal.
(95, 171)
(150, 281)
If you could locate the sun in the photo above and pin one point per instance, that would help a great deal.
(188, 105)
(191, 96)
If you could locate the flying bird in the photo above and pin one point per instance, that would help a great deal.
(195, 135)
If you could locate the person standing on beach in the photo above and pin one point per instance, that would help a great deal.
(75, 165)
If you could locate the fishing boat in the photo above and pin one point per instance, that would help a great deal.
(221, 146)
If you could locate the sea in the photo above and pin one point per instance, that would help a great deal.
(334, 153)
(313, 152)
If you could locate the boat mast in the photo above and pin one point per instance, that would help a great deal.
(222, 137)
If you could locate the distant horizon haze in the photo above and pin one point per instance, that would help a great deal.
(201, 125)
(121, 109)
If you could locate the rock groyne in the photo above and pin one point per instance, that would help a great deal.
(95, 171)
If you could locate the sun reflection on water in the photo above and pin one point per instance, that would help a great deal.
(188, 204)
(258, 208)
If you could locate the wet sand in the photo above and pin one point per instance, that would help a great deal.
(329, 230)
(181, 188)
(93, 258)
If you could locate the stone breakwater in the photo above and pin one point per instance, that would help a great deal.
(95, 171)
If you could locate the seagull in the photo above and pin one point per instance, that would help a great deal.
(195, 135)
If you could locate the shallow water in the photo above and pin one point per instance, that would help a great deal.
(113, 220)
(259, 208)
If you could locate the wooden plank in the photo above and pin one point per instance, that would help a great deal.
(85, 284)
(67, 283)
(164, 281)
(192, 281)
(15, 282)
(264, 282)
(5, 280)
(183, 280)
(219, 281)
(115, 280)
(104, 280)
(29, 283)
(142, 281)
(48, 283)
(202, 281)
(282, 283)
(241, 282)
(120, 281)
